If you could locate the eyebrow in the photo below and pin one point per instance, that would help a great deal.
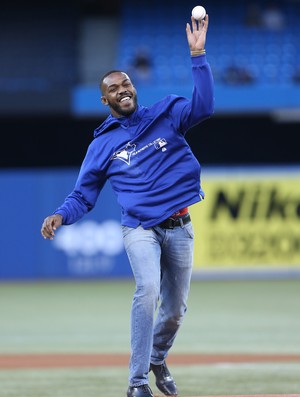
(115, 85)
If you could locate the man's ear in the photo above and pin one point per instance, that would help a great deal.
(104, 100)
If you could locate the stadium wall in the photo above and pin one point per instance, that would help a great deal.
(247, 226)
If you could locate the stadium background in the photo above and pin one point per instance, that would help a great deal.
(52, 57)
(72, 296)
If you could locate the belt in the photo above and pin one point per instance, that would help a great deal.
(170, 223)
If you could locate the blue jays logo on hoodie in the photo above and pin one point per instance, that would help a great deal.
(124, 154)
(129, 150)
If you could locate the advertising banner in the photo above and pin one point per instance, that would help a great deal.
(249, 219)
(90, 248)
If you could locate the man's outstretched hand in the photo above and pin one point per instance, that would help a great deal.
(196, 35)
(50, 224)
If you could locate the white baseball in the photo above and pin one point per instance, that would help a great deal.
(198, 12)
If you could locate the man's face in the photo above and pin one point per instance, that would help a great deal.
(119, 94)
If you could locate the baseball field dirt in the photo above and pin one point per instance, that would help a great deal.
(61, 360)
(46, 361)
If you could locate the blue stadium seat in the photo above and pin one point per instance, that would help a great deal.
(271, 56)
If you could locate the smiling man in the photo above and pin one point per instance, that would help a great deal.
(142, 151)
(118, 93)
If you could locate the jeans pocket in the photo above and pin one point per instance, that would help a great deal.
(188, 228)
(126, 230)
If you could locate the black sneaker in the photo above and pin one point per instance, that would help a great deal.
(164, 381)
(139, 391)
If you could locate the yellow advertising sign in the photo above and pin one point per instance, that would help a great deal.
(248, 220)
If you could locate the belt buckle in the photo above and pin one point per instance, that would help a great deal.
(171, 223)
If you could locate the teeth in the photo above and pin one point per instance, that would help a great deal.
(126, 98)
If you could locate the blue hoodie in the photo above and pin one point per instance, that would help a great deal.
(146, 158)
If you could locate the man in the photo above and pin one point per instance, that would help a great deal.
(143, 153)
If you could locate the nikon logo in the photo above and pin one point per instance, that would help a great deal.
(249, 222)
(254, 203)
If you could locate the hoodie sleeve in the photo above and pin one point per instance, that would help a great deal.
(188, 113)
(88, 186)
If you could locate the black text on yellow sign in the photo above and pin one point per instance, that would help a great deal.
(253, 222)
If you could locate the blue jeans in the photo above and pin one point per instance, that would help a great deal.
(161, 262)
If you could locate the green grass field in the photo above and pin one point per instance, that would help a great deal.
(93, 317)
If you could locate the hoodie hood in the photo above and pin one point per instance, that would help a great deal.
(108, 124)
(112, 122)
